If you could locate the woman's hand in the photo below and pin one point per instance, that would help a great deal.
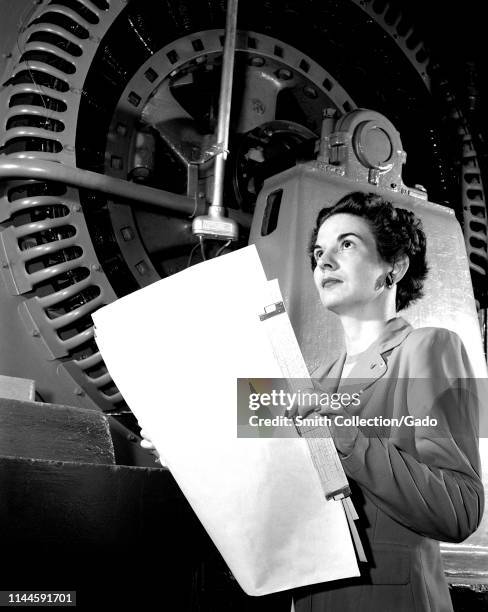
(147, 444)
(344, 435)
(300, 410)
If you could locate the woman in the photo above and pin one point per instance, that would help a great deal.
(412, 486)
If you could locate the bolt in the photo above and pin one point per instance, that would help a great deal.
(284, 74)
(310, 92)
(132, 438)
(5, 264)
(36, 333)
(96, 267)
(327, 113)
(78, 391)
(257, 106)
(373, 176)
(76, 208)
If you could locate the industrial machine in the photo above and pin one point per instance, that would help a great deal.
(108, 147)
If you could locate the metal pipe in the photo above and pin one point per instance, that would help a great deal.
(53, 171)
(216, 209)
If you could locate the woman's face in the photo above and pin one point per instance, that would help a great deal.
(350, 273)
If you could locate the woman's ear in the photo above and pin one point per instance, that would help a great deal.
(400, 268)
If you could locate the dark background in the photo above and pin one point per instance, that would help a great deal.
(456, 34)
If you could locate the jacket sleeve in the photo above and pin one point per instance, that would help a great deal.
(435, 489)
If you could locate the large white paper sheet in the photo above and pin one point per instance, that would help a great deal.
(175, 350)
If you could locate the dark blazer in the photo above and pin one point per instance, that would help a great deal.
(412, 486)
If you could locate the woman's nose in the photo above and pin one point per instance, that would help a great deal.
(327, 260)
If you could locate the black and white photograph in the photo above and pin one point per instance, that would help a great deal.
(244, 305)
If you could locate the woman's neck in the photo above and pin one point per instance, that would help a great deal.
(359, 335)
(361, 331)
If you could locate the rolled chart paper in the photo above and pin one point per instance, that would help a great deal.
(175, 350)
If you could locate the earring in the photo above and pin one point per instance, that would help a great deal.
(389, 280)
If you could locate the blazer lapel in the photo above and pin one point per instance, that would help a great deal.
(373, 365)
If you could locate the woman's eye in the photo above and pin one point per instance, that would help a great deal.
(317, 254)
(347, 244)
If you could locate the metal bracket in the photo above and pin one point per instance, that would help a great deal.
(213, 151)
(272, 310)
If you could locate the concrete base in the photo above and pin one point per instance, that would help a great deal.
(49, 431)
(17, 388)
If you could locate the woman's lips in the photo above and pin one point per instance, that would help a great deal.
(330, 282)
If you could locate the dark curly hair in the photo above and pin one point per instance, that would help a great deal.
(397, 232)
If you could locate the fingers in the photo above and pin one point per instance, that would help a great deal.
(146, 441)
(301, 410)
(145, 435)
(147, 444)
(161, 461)
(293, 411)
(305, 411)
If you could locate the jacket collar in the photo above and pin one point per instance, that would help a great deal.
(395, 332)
(371, 365)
